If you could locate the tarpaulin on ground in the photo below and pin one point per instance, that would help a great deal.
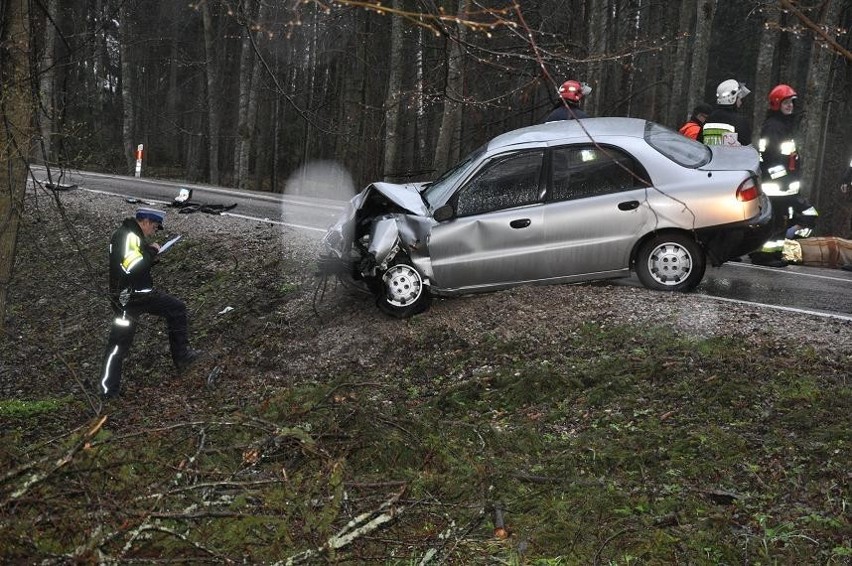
(829, 251)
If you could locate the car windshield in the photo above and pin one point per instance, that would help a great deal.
(437, 192)
(677, 147)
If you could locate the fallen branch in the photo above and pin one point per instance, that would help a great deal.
(610, 539)
(158, 528)
(359, 526)
(39, 476)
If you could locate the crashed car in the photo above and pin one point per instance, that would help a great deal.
(560, 202)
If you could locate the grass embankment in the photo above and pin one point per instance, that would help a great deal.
(537, 426)
(621, 445)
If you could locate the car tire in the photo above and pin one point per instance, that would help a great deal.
(403, 292)
(671, 262)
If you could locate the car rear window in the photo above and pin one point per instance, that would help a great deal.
(677, 147)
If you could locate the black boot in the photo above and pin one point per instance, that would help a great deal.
(768, 259)
(187, 360)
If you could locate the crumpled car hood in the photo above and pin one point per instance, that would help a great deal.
(406, 196)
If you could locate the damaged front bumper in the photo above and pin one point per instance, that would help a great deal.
(379, 225)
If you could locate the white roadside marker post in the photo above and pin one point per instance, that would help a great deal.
(139, 160)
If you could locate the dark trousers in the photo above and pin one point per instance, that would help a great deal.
(124, 329)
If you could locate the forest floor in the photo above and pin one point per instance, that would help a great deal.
(571, 424)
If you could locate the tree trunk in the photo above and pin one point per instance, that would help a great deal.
(15, 133)
(250, 73)
(213, 92)
(351, 116)
(446, 151)
(764, 78)
(193, 149)
(127, 101)
(678, 110)
(47, 76)
(421, 121)
(95, 22)
(813, 124)
(247, 12)
(700, 52)
(597, 40)
(392, 98)
(173, 93)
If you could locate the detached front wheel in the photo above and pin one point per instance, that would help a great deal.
(671, 262)
(403, 293)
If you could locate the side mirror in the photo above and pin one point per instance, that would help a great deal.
(443, 213)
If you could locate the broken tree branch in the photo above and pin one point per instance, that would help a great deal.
(361, 525)
(39, 476)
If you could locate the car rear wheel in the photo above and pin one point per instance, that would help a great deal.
(403, 292)
(671, 262)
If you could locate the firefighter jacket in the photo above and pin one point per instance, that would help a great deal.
(779, 160)
(562, 113)
(725, 126)
(130, 260)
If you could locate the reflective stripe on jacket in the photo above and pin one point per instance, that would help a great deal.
(129, 259)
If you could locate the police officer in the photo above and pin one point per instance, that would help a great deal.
(571, 94)
(725, 125)
(132, 294)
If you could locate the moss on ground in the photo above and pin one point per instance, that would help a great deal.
(627, 446)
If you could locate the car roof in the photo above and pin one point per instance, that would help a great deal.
(571, 131)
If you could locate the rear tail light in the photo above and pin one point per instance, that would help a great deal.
(748, 190)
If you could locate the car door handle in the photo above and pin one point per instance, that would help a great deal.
(522, 223)
(628, 205)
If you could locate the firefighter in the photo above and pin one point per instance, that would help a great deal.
(132, 294)
(792, 215)
(725, 125)
(571, 94)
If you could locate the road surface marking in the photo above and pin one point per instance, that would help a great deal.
(781, 308)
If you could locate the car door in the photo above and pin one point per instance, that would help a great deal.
(596, 210)
(497, 227)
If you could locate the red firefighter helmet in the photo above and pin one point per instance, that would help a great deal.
(779, 94)
(573, 91)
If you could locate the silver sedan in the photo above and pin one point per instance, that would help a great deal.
(559, 202)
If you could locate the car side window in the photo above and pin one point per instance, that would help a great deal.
(587, 171)
(506, 182)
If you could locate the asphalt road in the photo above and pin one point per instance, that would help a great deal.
(300, 212)
(825, 292)
(795, 287)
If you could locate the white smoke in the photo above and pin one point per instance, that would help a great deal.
(321, 179)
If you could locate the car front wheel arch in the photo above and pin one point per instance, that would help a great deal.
(670, 261)
(402, 291)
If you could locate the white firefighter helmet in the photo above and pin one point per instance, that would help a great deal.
(729, 91)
